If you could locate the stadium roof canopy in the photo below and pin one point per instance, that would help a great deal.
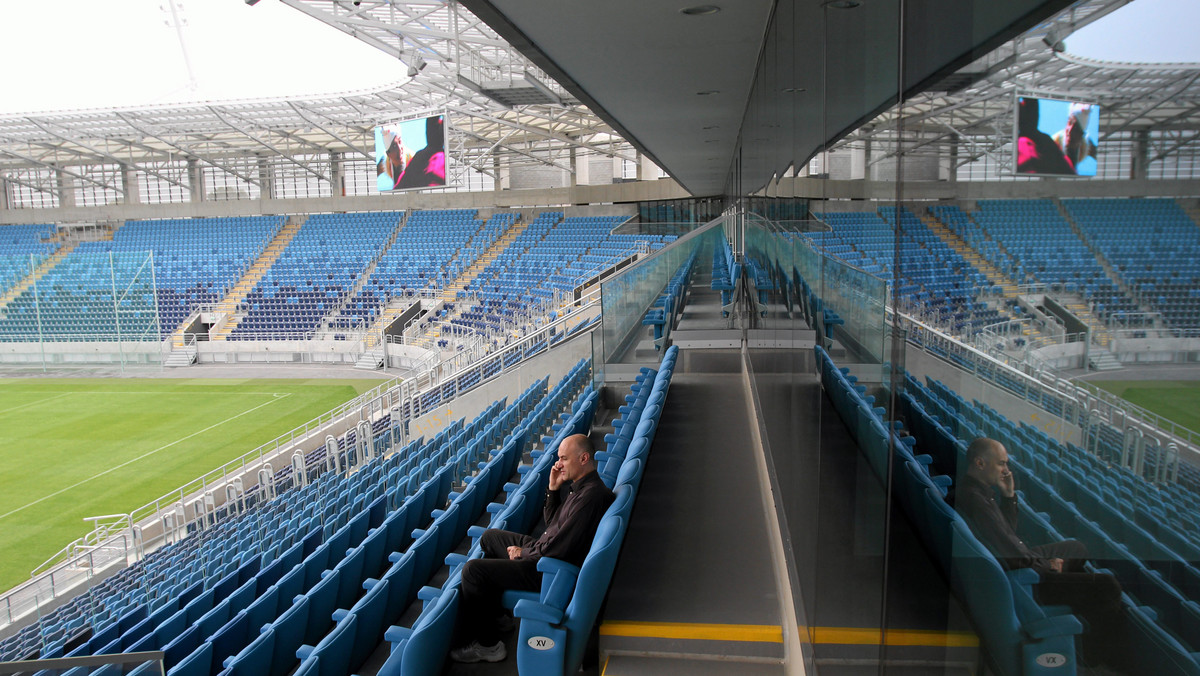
(502, 109)
(684, 107)
(973, 107)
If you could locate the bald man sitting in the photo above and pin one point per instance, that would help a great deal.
(986, 497)
(510, 559)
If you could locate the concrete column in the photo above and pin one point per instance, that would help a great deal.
(647, 170)
(953, 174)
(66, 189)
(5, 195)
(195, 180)
(266, 181)
(637, 160)
(867, 159)
(131, 185)
(1140, 166)
(498, 183)
(574, 168)
(583, 171)
(337, 183)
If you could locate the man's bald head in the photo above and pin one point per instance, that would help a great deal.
(987, 461)
(576, 457)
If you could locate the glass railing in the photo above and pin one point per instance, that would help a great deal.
(839, 294)
(627, 296)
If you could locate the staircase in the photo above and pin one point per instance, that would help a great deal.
(450, 293)
(1100, 334)
(181, 356)
(1192, 210)
(1104, 264)
(229, 304)
(1008, 290)
(951, 238)
(493, 252)
(366, 274)
(1102, 360)
(40, 271)
(371, 360)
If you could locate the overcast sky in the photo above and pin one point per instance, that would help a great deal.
(70, 54)
(74, 54)
(1152, 31)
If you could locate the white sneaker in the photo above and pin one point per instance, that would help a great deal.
(473, 652)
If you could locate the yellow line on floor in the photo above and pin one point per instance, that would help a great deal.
(770, 633)
(761, 633)
(893, 637)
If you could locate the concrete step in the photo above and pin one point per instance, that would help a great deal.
(1103, 360)
(181, 357)
(370, 360)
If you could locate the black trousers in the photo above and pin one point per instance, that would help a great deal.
(1095, 598)
(484, 582)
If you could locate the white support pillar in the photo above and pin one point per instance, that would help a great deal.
(647, 170)
(5, 195)
(266, 180)
(66, 189)
(195, 180)
(1138, 168)
(337, 182)
(131, 185)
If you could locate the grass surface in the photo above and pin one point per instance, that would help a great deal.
(73, 448)
(1175, 400)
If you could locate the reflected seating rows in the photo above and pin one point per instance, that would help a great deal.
(1137, 530)
(1013, 628)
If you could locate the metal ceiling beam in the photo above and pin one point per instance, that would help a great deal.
(187, 152)
(53, 167)
(102, 153)
(270, 147)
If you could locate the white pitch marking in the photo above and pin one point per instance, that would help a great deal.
(35, 403)
(143, 456)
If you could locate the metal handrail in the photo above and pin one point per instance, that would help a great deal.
(1084, 394)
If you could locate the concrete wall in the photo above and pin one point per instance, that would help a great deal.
(661, 189)
(1155, 350)
(82, 353)
(1065, 356)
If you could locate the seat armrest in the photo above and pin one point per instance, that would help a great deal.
(396, 634)
(530, 610)
(556, 566)
(1055, 625)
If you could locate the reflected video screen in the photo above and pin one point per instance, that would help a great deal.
(1056, 137)
(411, 155)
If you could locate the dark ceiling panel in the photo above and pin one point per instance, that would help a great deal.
(645, 68)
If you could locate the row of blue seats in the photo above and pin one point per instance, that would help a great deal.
(668, 307)
(1015, 631)
(422, 648)
(435, 476)
(251, 533)
(357, 631)
(1164, 623)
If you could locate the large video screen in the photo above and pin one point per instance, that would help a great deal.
(1056, 137)
(411, 155)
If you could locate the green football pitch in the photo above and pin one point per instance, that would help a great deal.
(1175, 400)
(74, 448)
